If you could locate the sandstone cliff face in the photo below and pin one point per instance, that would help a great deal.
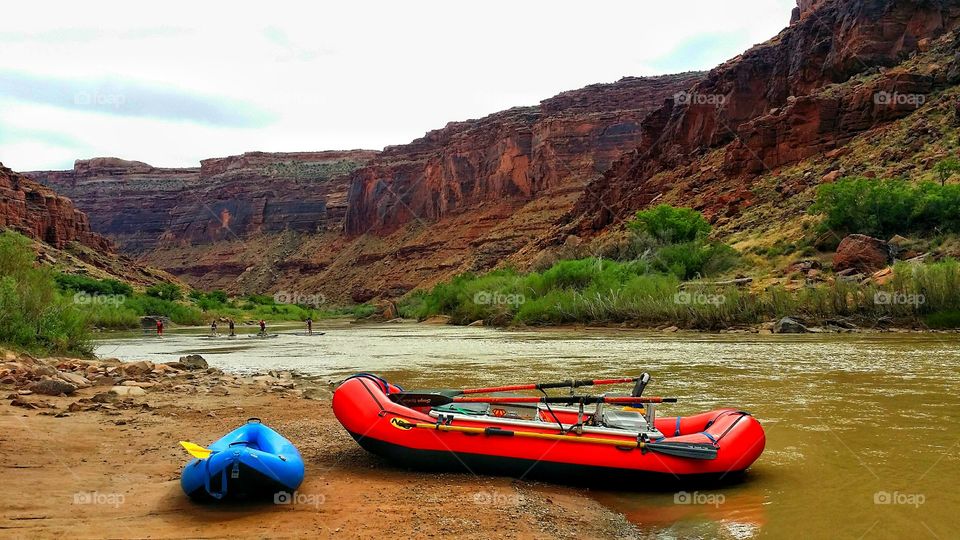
(128, 201)
(143, 207)
(39, 213)
(514, 155)
(773, 105)
(461, 198)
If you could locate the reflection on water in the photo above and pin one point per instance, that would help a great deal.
(863, 436)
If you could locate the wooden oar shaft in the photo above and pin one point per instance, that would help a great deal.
(546, 386)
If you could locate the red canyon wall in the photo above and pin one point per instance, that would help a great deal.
(516, 154)
(39, 213)
(807, 91)
(142, 207)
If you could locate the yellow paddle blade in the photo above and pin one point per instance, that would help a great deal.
(196, 450)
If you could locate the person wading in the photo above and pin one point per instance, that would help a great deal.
(309, 326)
(213, 328)
(263, 327)
(231, 325)
(160, 327)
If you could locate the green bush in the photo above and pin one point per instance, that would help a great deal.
(143, 305)
(90, 285)
(261, 299)
(886, 207)
(165, 291)
(695, 259)
(34, 315)
(943, 319)
(671, 225)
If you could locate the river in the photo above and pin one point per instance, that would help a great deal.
(863, 430)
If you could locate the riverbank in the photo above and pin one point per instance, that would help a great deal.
(104, 462)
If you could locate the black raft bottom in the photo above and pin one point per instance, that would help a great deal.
(548, 471)
(251, 486)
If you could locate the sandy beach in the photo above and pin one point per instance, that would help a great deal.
(95, 464)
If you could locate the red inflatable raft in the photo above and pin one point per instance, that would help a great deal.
(602, 445)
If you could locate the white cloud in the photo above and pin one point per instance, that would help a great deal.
(337, 75)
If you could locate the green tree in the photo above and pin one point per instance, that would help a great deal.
(165, 291)
(947, 168)
(671, 225)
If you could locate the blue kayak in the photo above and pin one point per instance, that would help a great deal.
(252, 461)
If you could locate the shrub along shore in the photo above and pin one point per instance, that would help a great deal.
(595, 291)
(648, 281)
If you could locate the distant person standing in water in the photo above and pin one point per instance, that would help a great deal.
(230, 323)
(263, 327)
(160, 327)
(309, 326)
(213, 327)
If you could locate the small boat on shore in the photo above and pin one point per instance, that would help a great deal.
(529, 437)
(252, 461)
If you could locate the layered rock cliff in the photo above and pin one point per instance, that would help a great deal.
(40, 213)
(827, 78)
(143, 207)
(514, 155)
(63, 234)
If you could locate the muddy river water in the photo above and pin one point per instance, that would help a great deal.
(863, 430)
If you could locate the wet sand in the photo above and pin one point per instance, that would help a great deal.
(113, 472)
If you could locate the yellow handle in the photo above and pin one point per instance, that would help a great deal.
(196, 450)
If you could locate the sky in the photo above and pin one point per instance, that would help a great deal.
(171, 83)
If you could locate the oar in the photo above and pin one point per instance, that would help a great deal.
(411, 399)
(547, 386)
(684, 450)
(196, 450)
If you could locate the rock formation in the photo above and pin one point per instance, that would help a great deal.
(141, 207)
(40, 213)
(784, 100)
(518, 154)
(862, 253)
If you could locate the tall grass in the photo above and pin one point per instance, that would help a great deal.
(598, 291)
